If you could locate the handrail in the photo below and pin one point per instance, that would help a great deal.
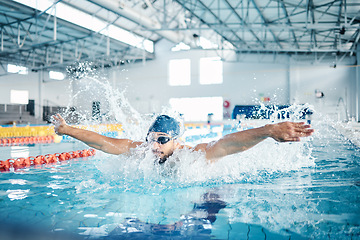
(20, 107)
(345, 108)
(49, 101)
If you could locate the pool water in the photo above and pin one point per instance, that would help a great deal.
(307, 190)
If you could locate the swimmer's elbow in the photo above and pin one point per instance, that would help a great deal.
(211, 159)
(93, 145)
(213, 155)
(100, 148)
(213, 151)
(107, 147)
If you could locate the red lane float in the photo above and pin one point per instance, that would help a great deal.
(25, 140)
(44, 159)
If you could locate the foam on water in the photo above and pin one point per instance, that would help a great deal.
(187, 167)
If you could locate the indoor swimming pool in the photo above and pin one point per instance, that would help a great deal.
(180, 120)
(305, 190)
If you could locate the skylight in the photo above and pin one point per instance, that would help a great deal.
(180, 46)
(207, 44)
(56, 75)
(90, 22)
(11, 68)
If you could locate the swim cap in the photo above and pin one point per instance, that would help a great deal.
(165, 124)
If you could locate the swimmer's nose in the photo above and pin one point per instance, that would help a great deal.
(155, 145)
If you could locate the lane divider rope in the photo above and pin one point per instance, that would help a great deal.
(25, 140)
(44, 159)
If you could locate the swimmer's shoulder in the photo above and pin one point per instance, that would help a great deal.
(185, 147)
(201, 147)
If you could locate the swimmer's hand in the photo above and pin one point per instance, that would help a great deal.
(289, 131)
(93, 139)
(244, 140)
(59, 124)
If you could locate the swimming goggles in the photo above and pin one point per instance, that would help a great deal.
(161, 139)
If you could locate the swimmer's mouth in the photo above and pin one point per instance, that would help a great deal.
(162, 160)
(158, 154)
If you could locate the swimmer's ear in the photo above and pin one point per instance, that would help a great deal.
(177, 143)
(180, 140)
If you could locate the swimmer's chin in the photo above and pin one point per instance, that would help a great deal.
(159, 156)
(162, 160)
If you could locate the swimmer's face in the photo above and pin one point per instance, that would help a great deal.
(162, 145)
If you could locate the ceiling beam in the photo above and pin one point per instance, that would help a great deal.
(316, 9)
(289, 23)
(266, 23)
(222, 23)
(181, 2)
(310, 13)
(142, 20)
(243, 23)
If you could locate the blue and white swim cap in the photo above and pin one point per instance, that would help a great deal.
(165, 124)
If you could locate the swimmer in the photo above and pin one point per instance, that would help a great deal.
(163, 137)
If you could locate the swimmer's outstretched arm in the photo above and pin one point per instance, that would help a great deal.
(241, 141)
(93, 139)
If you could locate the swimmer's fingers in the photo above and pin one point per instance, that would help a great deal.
(292, 139)
(290, 131)
(57, 118)
(303, 130)
(305, 133)
(300, 130)
(59, 123)
(300, 125)
(54, 118)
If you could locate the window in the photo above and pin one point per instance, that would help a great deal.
(17, 69)
(179, 72)
(197, 109)
(207, 44)
(19, 96)
(90, 21)
(211, 70)
(56, 75)
(180, 46)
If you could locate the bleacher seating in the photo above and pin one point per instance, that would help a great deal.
(16, 114)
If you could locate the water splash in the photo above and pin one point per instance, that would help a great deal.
(115, 108)
(185, 166)
(93, 86)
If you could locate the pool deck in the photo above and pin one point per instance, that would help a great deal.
(351, 130)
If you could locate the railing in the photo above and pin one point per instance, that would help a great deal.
(71, 115)
(15, 113)
(13, 108)
(25, 113)
(341, 100)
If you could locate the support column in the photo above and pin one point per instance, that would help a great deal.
(288, 83)
(40, 101)
(357, 84)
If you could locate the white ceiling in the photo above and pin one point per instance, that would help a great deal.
(34, 37)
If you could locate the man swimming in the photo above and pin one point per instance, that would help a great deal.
(163, 137)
